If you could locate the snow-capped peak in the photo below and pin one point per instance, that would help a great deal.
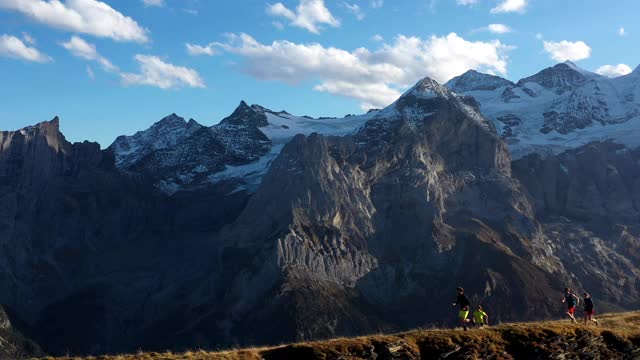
(561, 77)
(167, 132)
(427, 88)
(473, 80)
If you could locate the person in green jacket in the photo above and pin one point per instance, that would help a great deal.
(480, 318)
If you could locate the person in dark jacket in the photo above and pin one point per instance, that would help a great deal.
(588, 309)
(465, 305)
(570, 299)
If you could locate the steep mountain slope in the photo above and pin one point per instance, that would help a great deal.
(351, 234)
(299, 228)
(559, 108)
(91, 255)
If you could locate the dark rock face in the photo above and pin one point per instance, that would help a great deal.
(351, 234)
(345, 235)
(90, 255)
(247, 115)
(589, 202)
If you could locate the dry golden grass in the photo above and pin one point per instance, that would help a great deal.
(489, 340)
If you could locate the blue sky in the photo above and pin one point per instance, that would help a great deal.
(114, 67)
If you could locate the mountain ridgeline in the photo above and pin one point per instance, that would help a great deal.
(270, 227)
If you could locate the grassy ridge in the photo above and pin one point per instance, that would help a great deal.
(617, 337)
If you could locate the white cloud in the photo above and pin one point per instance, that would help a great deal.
(466, 2)
(376, 78)
(190, 11)
(377, 38)
(539, 36)
(12, 47)
(156, 3)
(376, 4)
(354, 9)
(614, 70)
(195, 50)
(567, 50)
(80, 48)
(309, 15)
(622, 32)
(507, 6)
(155, 72)
(82, 16)
(278, 25)
(496, 29)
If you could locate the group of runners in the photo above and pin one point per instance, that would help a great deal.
(480, 318)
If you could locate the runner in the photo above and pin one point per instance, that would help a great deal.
(464, 304)
(588, 310)
(570, 299)
(480, 318)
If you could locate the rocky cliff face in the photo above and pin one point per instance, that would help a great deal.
(355, 225)
(349, 234)
(91, 255)
(589, 200)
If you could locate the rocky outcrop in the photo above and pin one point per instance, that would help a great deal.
(90, 255)
(366, 231)
(589, 202)
(391, 218)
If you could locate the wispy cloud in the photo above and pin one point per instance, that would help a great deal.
(196, 50)
(376, 4)
(81, 16)
(80, 48)
(13, 47)
(153, 3)
(507, 6)
(156, 72)
(309, 15)
(622, 31)
(354, 9)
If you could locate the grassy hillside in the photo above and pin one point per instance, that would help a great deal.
(617, 337)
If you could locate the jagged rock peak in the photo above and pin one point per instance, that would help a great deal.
(427, 88)
(473, 80)
(48, 128)
(246, 115)
(172, 119)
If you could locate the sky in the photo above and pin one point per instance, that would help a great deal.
(114, 67)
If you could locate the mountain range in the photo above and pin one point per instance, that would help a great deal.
(269, 227)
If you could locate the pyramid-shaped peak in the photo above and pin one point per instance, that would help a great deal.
(427, 88)
(473, 80)
(172, 119)
(246, 115)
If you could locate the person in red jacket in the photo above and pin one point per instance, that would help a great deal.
(588, 310)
